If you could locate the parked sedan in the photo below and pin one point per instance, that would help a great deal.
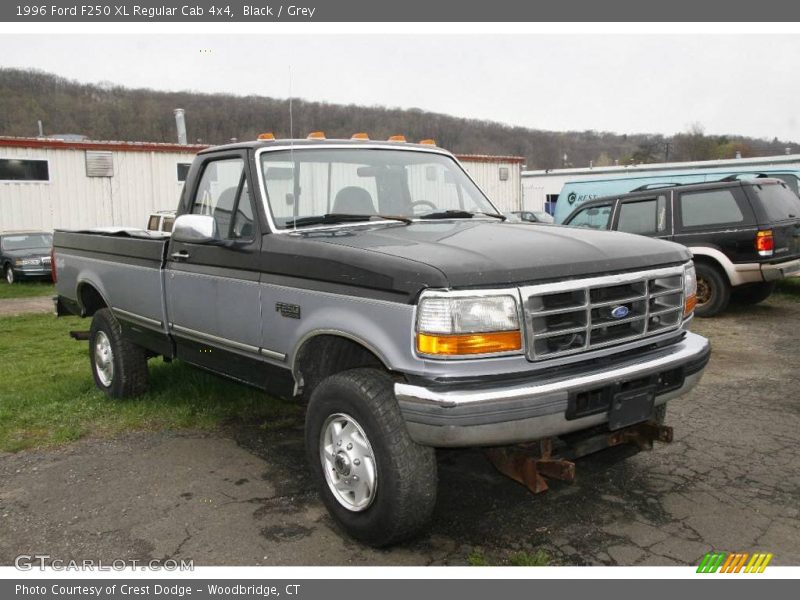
(25, 255)
(533, 216)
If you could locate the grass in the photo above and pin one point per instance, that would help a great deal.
(477, 559)
(26, 289)
(48, 396)
(540, 558)
(790, 287)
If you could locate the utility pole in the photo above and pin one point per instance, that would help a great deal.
(667, 146)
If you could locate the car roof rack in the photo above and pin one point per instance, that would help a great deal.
(655, 186)
(737, 176)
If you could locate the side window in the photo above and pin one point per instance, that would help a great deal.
(222, 194)
(714, 207)
(593, 217)
(152, 223)
(644, 217)
(790, 180)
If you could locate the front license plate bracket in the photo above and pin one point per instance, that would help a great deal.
(631, 407)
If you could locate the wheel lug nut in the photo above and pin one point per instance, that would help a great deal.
(357, 461)
(355, 477)
(349, 446)
(339, 443)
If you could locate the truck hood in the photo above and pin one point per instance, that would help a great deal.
(481, 253)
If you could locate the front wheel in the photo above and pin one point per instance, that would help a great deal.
(376, 482)
(118, 366)
(9, 274)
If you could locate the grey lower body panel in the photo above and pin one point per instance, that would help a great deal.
(774, 272)
(505, 414)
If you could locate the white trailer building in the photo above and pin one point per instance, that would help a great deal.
(52, 183)
(544, 185)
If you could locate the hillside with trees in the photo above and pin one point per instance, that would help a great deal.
(111, 112)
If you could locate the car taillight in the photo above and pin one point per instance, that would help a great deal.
(765, 243)
(53, 273)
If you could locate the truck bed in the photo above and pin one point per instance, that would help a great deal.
(123, 266)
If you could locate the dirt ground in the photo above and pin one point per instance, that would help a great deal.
(730, 481)
(19, 306)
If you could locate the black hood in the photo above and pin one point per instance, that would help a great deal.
(481, 253)
(397, 259)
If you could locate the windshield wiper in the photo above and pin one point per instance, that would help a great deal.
(460, 214)
(335, 218)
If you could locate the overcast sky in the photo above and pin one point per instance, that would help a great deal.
(622, 83)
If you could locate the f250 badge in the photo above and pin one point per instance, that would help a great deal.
(290, 311)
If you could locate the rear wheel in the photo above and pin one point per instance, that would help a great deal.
(118, 366)
(753, 293)
(713, 291)
(9, 274)
(376, 482)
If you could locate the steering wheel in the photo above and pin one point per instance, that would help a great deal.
(417, 203)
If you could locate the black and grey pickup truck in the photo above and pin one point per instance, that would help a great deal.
(377, 282)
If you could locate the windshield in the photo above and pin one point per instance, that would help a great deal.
(28, 241)
(304, 185)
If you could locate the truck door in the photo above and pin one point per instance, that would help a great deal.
(212, 290)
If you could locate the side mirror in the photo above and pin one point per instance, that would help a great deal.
(194, 229)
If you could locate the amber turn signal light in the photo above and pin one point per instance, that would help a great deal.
(469, 343)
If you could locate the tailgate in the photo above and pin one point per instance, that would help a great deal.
(787, 239)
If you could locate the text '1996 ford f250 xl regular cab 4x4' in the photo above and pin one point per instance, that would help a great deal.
(375, 280)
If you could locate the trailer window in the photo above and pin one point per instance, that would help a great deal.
(17, 169)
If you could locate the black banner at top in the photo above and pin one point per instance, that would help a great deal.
(515, 11)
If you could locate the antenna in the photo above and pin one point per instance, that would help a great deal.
(291, 155)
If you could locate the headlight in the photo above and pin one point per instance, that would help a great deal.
(465, 325)
(689, 290)
(25, 262)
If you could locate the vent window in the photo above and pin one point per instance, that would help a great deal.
(99, 164)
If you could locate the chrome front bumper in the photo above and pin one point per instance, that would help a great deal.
(491, 414)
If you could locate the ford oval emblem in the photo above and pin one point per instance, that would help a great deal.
(620, 312)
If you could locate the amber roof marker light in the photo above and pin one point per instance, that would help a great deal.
(397, 138)
(316, 135)
(359, 136)
(266, 137)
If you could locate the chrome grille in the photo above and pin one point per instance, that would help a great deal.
(584, 314)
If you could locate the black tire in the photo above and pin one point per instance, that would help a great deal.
(128, 374)
(713, 291)
(753, 293)
(8, 275)
(404, 494)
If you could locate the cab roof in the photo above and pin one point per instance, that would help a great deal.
(306, 143)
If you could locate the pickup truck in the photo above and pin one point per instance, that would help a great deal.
(376, 282)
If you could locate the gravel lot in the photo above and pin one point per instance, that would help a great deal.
(730, 481)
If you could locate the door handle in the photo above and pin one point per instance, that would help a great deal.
(182, 255)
